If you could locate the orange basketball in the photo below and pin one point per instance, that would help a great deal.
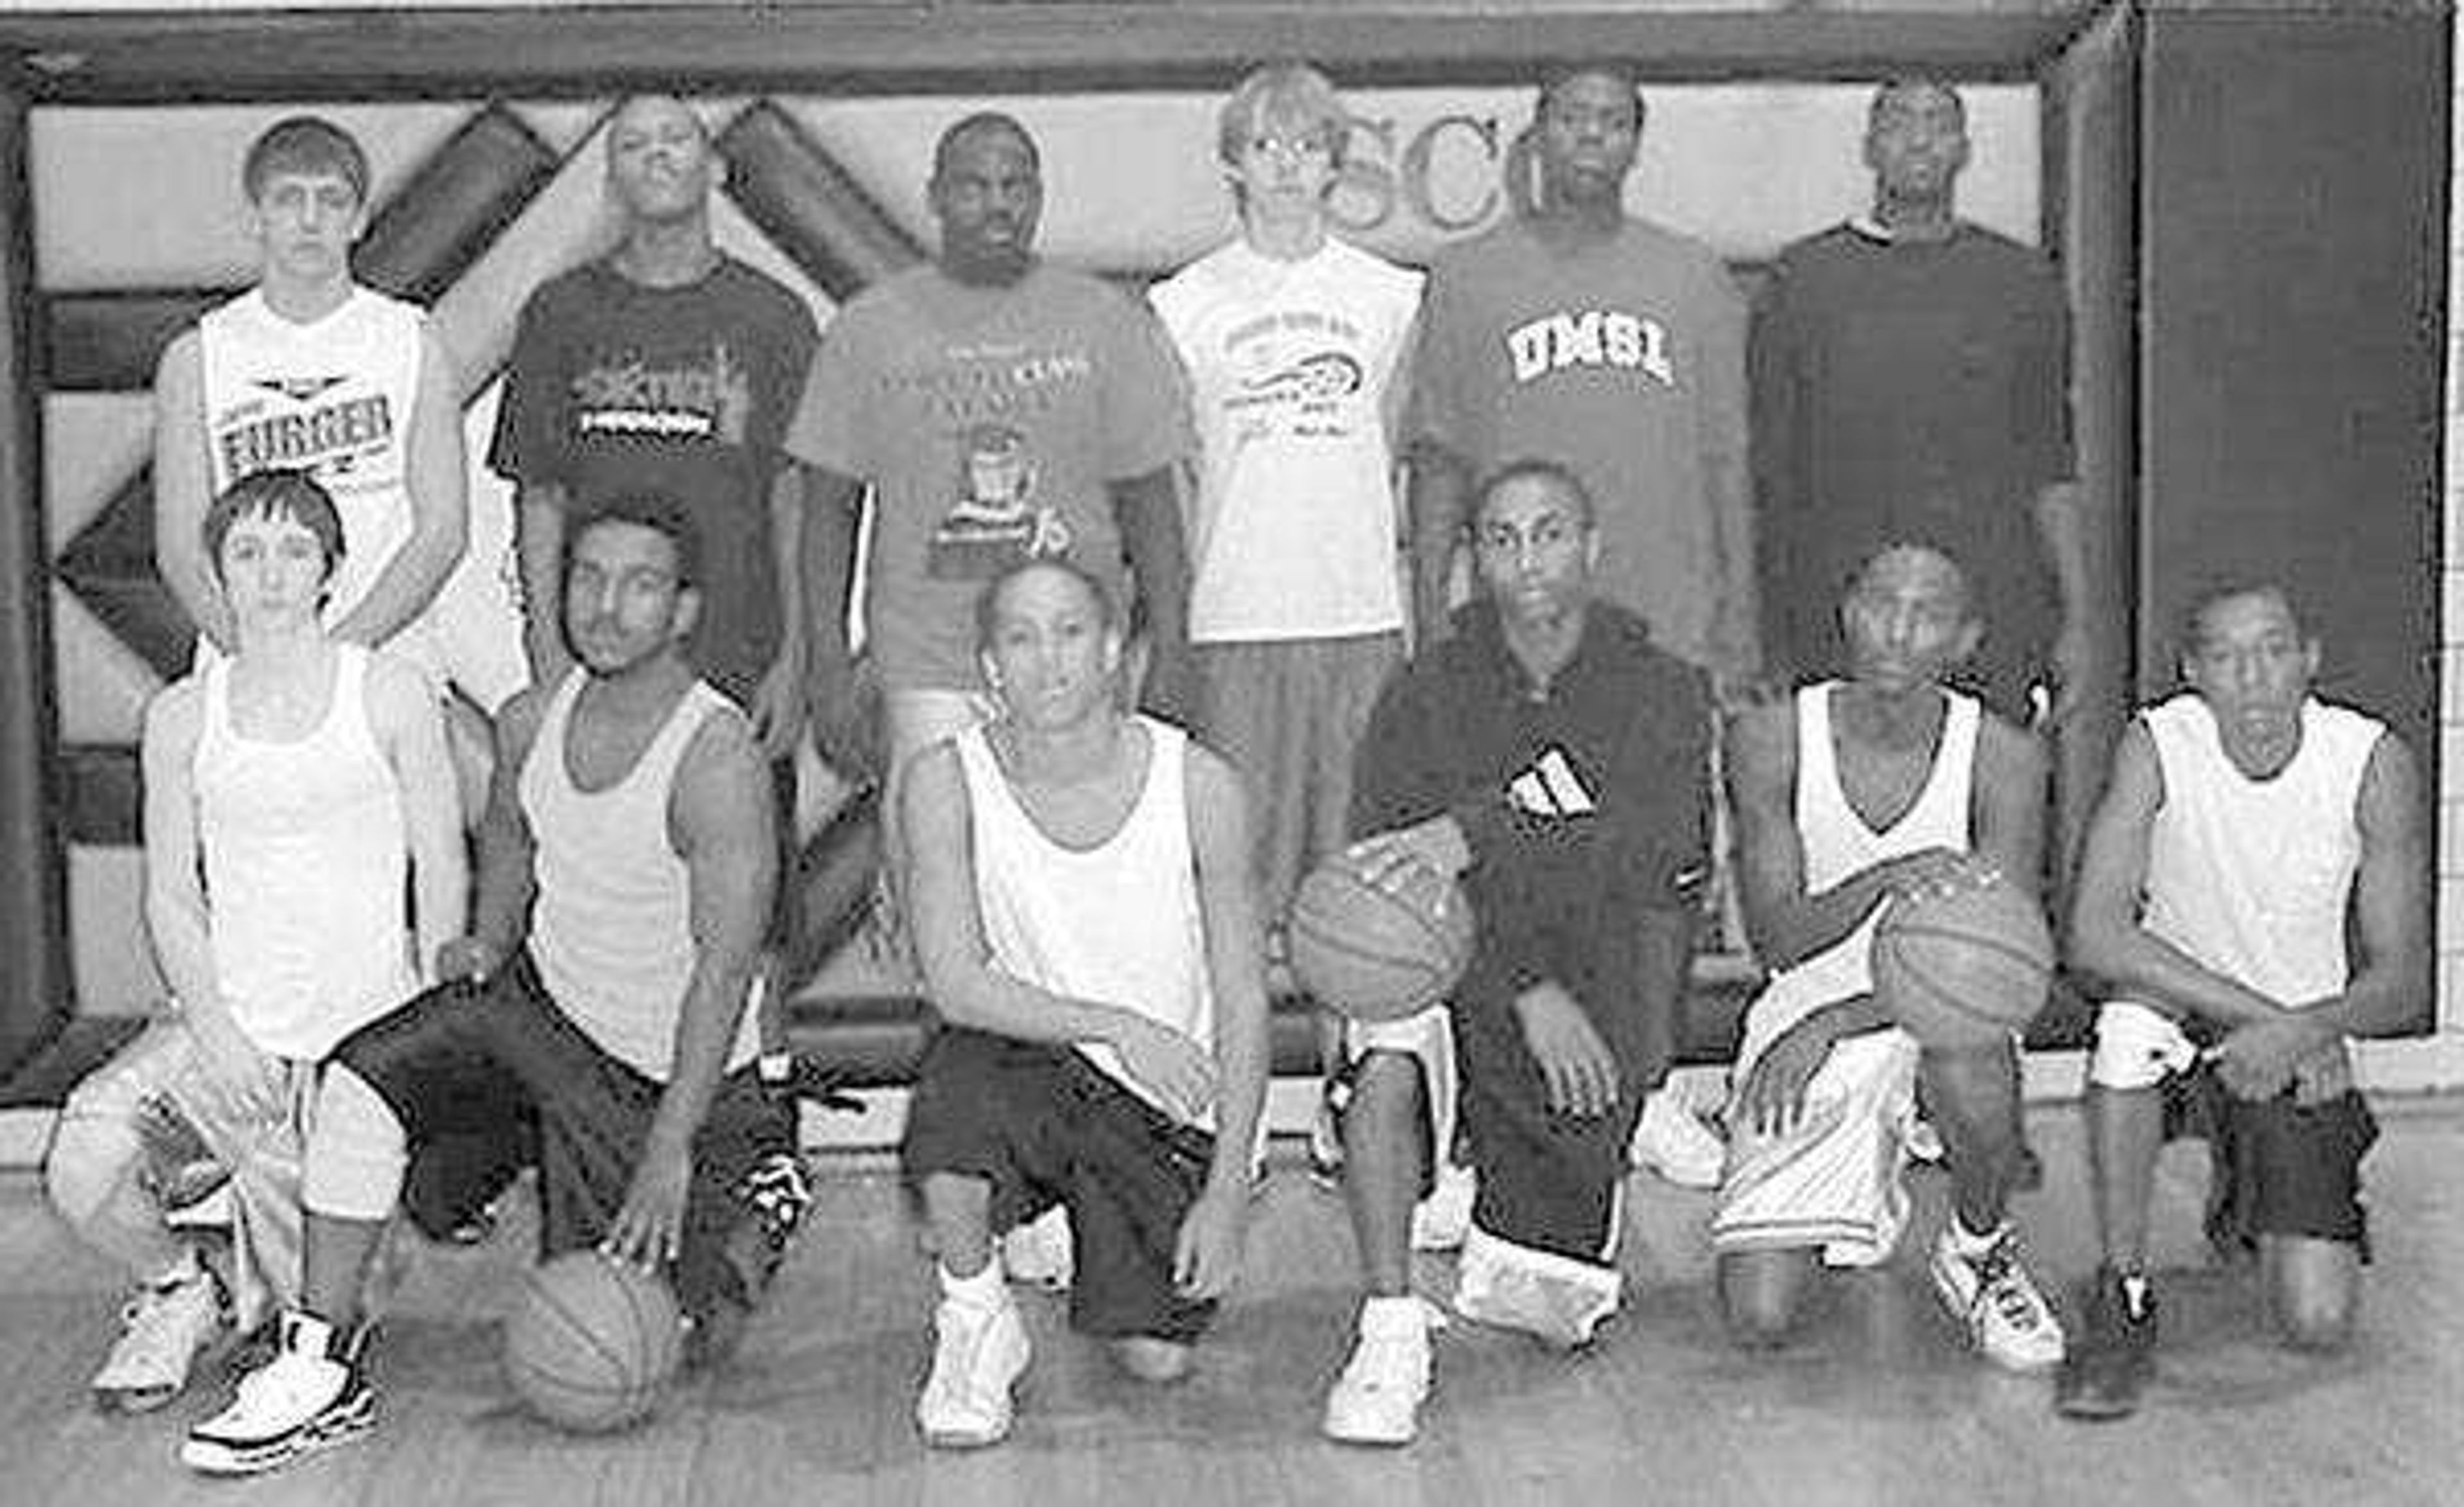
(592, 1343)
(1965, 969)
(1374, 955)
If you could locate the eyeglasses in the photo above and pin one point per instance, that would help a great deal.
(1314, 144)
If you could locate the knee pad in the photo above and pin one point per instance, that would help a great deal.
(2137, 1047)
(1428, 1038)
(358, 1152)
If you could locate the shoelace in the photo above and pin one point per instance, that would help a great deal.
(2000, 1282)
(151, 1316)
(1432, 1318)
(148, 1314)
(287, 1377)
(959, 1344)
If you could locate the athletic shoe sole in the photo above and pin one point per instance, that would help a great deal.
(220, 1458)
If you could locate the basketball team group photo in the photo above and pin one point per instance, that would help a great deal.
(1432, 752)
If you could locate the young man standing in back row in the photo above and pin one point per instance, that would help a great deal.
(670, 366)
(310, 370)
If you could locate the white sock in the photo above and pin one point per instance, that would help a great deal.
(1399, 1314)
(986, 1289)
(1967, 1243)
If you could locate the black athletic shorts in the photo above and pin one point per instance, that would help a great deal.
(1045, 1127)
(2278, 1167)
(1548, 1180)
(488, 1078)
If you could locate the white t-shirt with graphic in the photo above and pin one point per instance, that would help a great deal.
(332, 397)
(1295, 528)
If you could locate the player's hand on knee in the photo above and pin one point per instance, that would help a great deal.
(1773, 1100)
(466, 960)
(247, 1078)
(650, 1229)
(1206, 1254)
(1169, 1063)
(1575, 1064)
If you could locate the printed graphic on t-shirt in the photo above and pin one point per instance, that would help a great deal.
(283, 423)
(704, 395)
(993, 399)
(1591, 340)
(1294, 375)
(996, 520)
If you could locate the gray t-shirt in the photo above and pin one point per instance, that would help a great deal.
(988, 421)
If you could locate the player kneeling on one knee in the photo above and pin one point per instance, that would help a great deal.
(292, 788)
(1541, 753)
(1086, 924)
(597, 1006)
(1853, 797)
(2245, 822)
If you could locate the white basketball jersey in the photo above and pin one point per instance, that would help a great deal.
(2251, 877)
(1838, 843)
(305, 856)
(1119, 923)
(611, 928)
(334, 397)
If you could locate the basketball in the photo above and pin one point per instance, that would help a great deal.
(1374, 955)
(1965, 969)
(592, 1342)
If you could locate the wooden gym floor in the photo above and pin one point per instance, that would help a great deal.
(1874, 1405)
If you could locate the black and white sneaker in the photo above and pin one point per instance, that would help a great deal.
(309, 1397)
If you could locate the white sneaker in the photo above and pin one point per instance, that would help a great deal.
(1039, 1253)
(1378, 1398)
(309, 1396)
(1440, 1221)
(1991, 1294)
(1672, 1141)
(163, 1328)
(977, 1352)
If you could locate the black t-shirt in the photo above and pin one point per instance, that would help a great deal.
(616, 387)
(1584, 806)
(1910, 392)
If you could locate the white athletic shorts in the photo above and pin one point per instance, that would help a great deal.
(2137, 1047)
(1832, 1180)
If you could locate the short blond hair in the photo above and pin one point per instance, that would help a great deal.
(1287, 93)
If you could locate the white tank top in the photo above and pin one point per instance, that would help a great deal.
(611, 929)
(1837, 843)
(2251, 877)
(306, 854)
(333, 397)
(1118, 924)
